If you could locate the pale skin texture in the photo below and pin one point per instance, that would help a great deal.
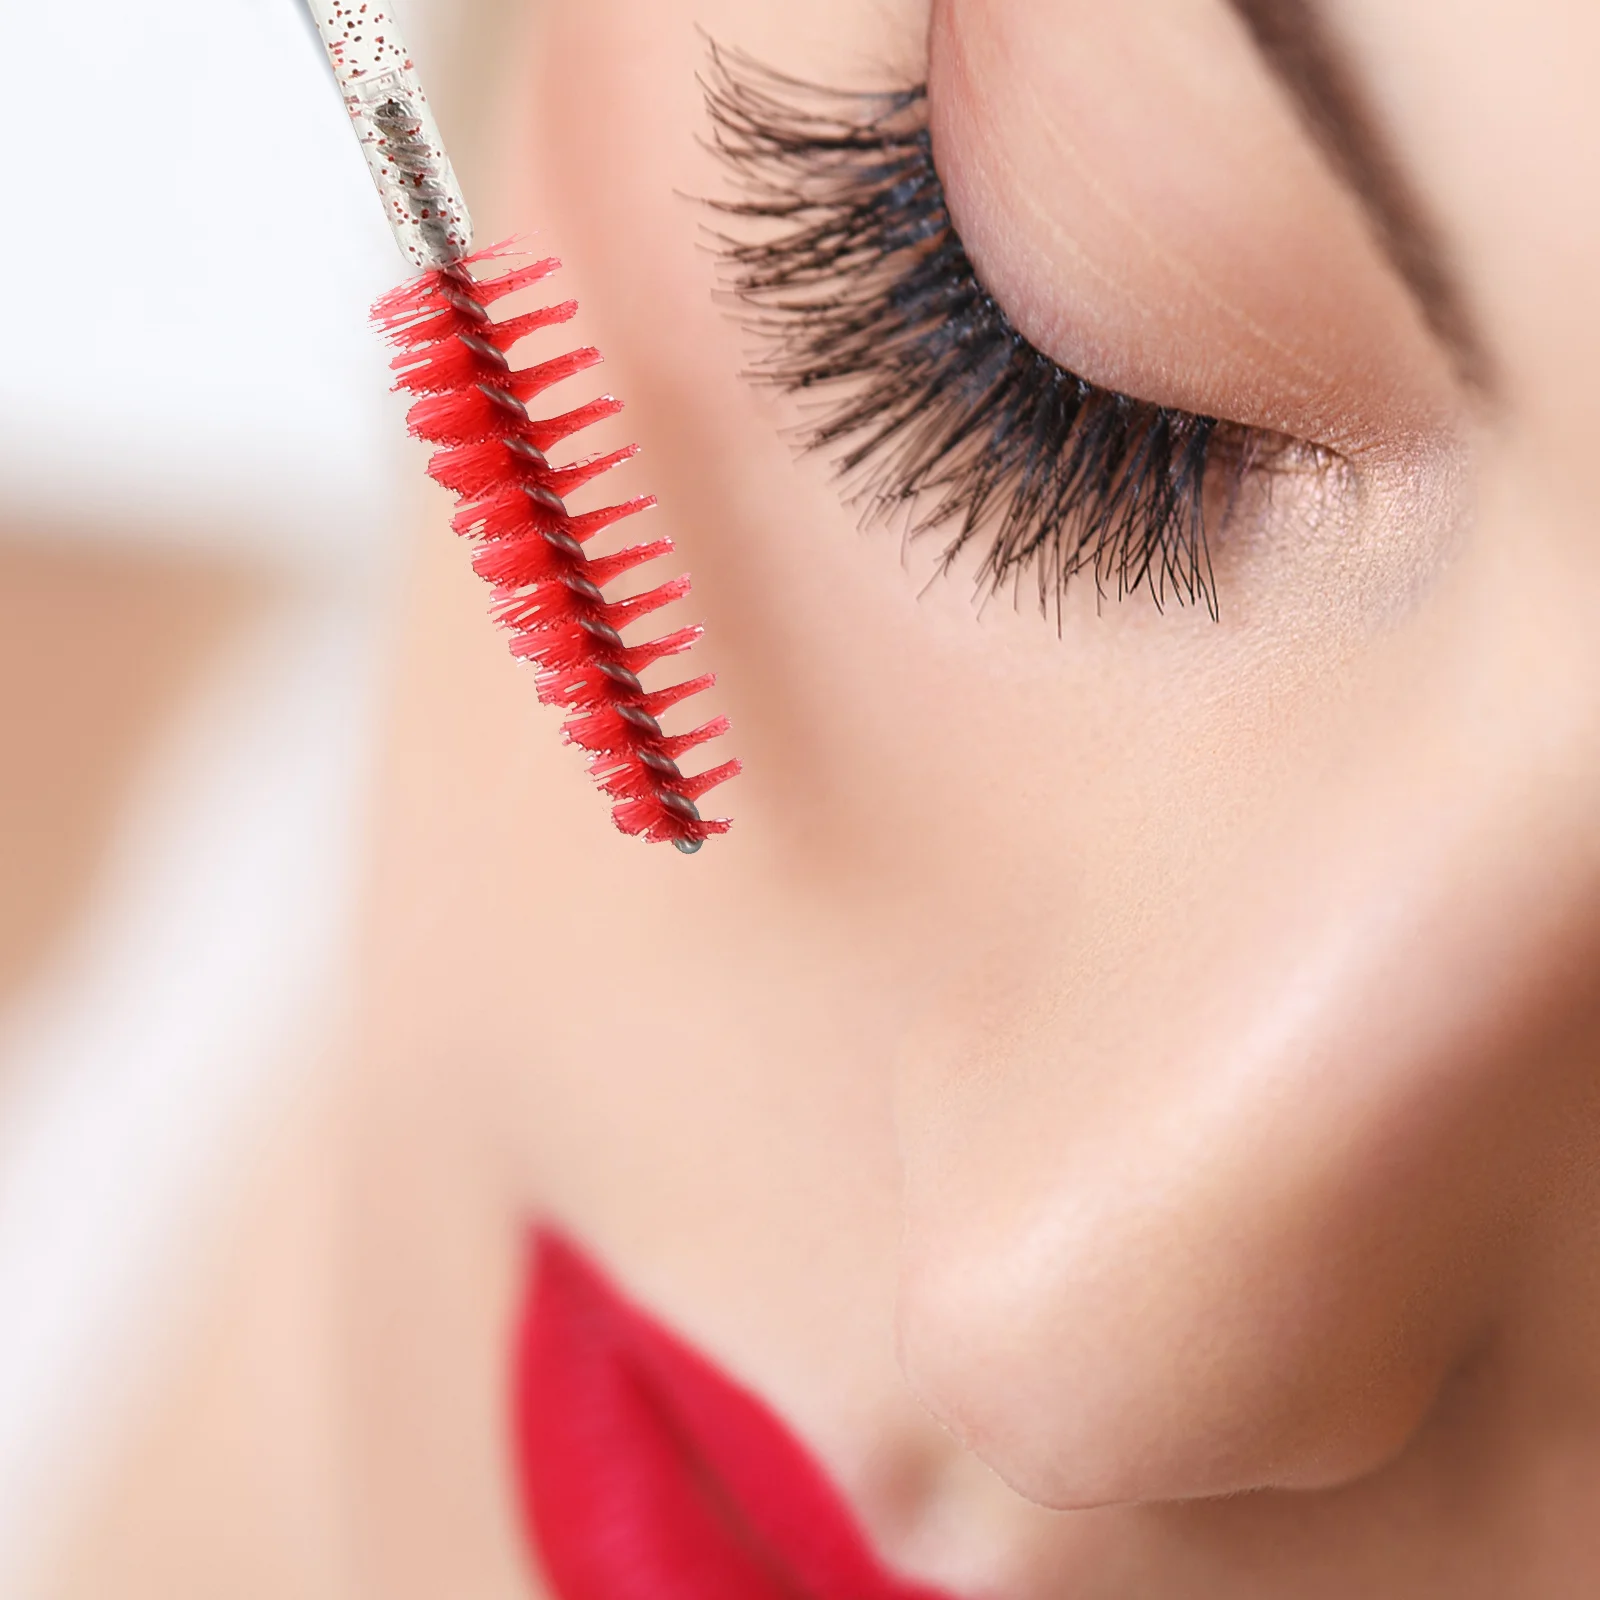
(1101, 1072)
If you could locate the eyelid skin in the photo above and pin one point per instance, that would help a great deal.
(1140, 197)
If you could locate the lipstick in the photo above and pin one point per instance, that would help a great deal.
(645, 1473)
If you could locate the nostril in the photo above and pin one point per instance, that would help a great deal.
(951, 1350)
(976, 1348)
(1083, 1382)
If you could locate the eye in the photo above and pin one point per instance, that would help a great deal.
(934, 407)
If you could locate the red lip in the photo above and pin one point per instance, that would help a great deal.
(645, 1474)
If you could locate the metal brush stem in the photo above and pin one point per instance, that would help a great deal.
(404, 152)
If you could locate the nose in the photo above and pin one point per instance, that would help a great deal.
(1223, 1204)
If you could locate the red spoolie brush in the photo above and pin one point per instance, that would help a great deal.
(473, 403)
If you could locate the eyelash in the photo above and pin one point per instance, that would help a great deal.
(856, 276)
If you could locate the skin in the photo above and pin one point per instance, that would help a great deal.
(1102, 1072)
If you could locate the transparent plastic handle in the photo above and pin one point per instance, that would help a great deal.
(405, 154)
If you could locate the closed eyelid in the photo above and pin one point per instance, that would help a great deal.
(1057, 143)
(864, 292)
(1297, 45)
(1146, 205)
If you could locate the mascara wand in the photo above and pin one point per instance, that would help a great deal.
(473, 404)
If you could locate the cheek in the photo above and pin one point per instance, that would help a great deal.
(1221, 1132)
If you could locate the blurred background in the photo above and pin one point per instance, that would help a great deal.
(203, 493)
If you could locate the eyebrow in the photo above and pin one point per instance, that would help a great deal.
(1296, 45)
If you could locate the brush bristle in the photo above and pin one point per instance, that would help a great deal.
(472, 402)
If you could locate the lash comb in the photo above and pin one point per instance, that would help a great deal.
(472, 404)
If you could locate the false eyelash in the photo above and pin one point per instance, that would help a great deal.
(856, 276)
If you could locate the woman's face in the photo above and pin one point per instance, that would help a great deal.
(1121, 1057)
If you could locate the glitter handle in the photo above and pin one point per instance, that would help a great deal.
(404, 152)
